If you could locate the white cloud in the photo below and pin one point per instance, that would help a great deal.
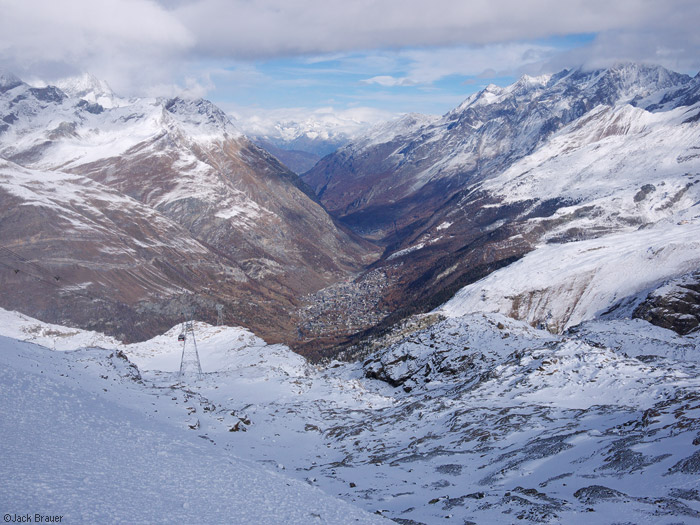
(141, 45)
(645, 29)
(430, 65)
(658, 44)
(128, 42)
(389, 81)
(264, 28)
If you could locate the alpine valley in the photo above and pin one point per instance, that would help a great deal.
(145, 207)
(491, 316)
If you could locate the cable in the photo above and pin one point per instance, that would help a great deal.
(54, 279)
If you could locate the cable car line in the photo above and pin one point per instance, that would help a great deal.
(54, 279)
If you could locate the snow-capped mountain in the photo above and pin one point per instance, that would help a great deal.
(90, 88)
(300, 138)
(260, 237)
(411, 172)
(554, 164)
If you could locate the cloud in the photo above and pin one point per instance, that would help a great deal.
(271, 28)
(656, 43)
(286, 122)
(141, 45)
(388, 81)
(429, 65)
(128, 42)
(424, 67)
(262, 29)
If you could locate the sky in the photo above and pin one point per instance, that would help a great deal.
(353, 57)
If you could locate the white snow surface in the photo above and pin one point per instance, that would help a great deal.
(565, 284)
(502, 422)
(83, 439)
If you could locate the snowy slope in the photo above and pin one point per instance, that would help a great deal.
(618, 167)
(79, 442)
(219, 347)
(385, 132)
(561, 285)
(477, 418)
(504, 423)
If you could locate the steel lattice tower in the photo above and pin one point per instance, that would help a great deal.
(189, 363)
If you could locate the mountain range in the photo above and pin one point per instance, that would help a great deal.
(137, 210)
(498, 310)
(548, 161)
(141, 208)
(300, 138)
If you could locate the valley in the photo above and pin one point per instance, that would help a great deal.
(392, 224)
(485, 317)
(342, 309)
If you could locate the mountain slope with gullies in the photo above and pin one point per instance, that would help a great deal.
(183, 162)
(540, 164)
(401, 173)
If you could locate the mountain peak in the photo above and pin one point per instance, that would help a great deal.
(626, 81)
(90, 88)
(646, 73)
(200, 116)
(8, 81)
(530, 81)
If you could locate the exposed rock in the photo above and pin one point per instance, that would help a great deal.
(676, 305)
(690, 465)
(597, 493)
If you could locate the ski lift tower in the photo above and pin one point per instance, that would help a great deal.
(219, 314)
(189, 362)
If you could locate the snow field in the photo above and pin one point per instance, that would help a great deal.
(562, 285)
(502, 421)
(83, 447)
